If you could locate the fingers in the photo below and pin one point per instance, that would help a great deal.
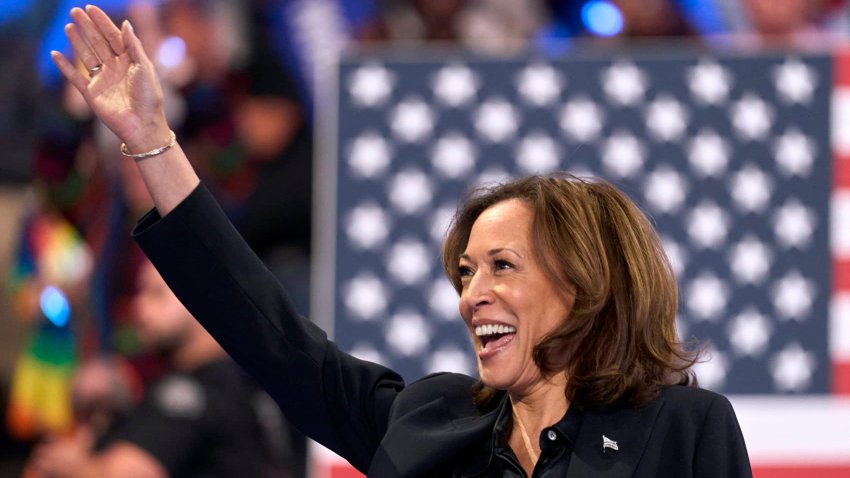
(134, 45)
(70, 72)
(81, 47)
(98, 44)
(108, 29)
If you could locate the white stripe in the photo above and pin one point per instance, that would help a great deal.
(840, 223)
(840, 120)
(839, 327)
(323, 276)
(798, 430)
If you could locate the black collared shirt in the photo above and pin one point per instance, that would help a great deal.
(198, 424)
(556, 446)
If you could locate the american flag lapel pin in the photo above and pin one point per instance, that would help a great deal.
(609, 443)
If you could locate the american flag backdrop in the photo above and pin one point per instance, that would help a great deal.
(741, 162)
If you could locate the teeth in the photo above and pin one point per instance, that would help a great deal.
(491, 329)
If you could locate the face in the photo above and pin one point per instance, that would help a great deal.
(507, 302)
(162, 322)
(778, 18)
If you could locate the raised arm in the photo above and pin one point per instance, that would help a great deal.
(336, 399)
(123, 90)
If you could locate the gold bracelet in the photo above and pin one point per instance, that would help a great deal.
(153, 152)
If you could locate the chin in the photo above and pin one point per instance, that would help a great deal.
(499, 371)
(494, 381)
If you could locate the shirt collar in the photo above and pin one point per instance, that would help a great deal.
(567, 427)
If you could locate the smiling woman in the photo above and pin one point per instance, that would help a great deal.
(587, 244)
(570, 301)
(564, 288)
(506, 299)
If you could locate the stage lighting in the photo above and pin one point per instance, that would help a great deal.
(602, 18)
(55, 306)
(171, 52)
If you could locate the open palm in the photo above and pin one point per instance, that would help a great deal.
(122, 87)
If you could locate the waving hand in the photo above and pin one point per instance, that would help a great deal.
(122, 89)
(121, 86)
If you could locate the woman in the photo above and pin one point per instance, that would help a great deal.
(562, 284)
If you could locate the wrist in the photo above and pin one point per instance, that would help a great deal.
(148, 138)
(150, 153)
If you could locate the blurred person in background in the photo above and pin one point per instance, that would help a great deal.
(504, 27)
(240, 114)
(105, 389)
(19, 33)
(793, 23)
(652, 18)
(199, 419)
(490, 26)
(616, 22)
(238, 111)
(47, 282)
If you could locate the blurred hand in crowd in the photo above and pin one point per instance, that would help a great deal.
(61, 456)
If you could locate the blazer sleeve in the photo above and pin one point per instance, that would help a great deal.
(720, 449)
(334, 398)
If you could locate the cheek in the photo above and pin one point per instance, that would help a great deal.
(465, 311)
(543, 312)
(554, 316)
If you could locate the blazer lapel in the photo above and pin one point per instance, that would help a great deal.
(610, 444)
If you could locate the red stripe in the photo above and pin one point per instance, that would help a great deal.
(841, 75)
(841, 275)
(841, 172)
(838, 471)
(841, 379)
(344, 471)
(840, 268)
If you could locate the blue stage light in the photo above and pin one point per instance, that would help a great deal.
(53, 37)
(706, 15)
(602, 18)
(55, 306)
(12, 9)
(552, 40)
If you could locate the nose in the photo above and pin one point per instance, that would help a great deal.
(478, 291)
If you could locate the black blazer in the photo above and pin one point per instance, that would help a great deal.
(367, 414)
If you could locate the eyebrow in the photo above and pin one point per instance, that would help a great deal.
(493, 252)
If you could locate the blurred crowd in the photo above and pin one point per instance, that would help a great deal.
(243, 83)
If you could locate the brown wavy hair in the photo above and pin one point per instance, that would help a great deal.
(618, 345)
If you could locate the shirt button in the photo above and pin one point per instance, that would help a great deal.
(552, 435)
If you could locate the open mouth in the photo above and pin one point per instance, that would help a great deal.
(494, 335)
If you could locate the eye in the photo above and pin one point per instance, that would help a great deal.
(465, 271)
(501, 264)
